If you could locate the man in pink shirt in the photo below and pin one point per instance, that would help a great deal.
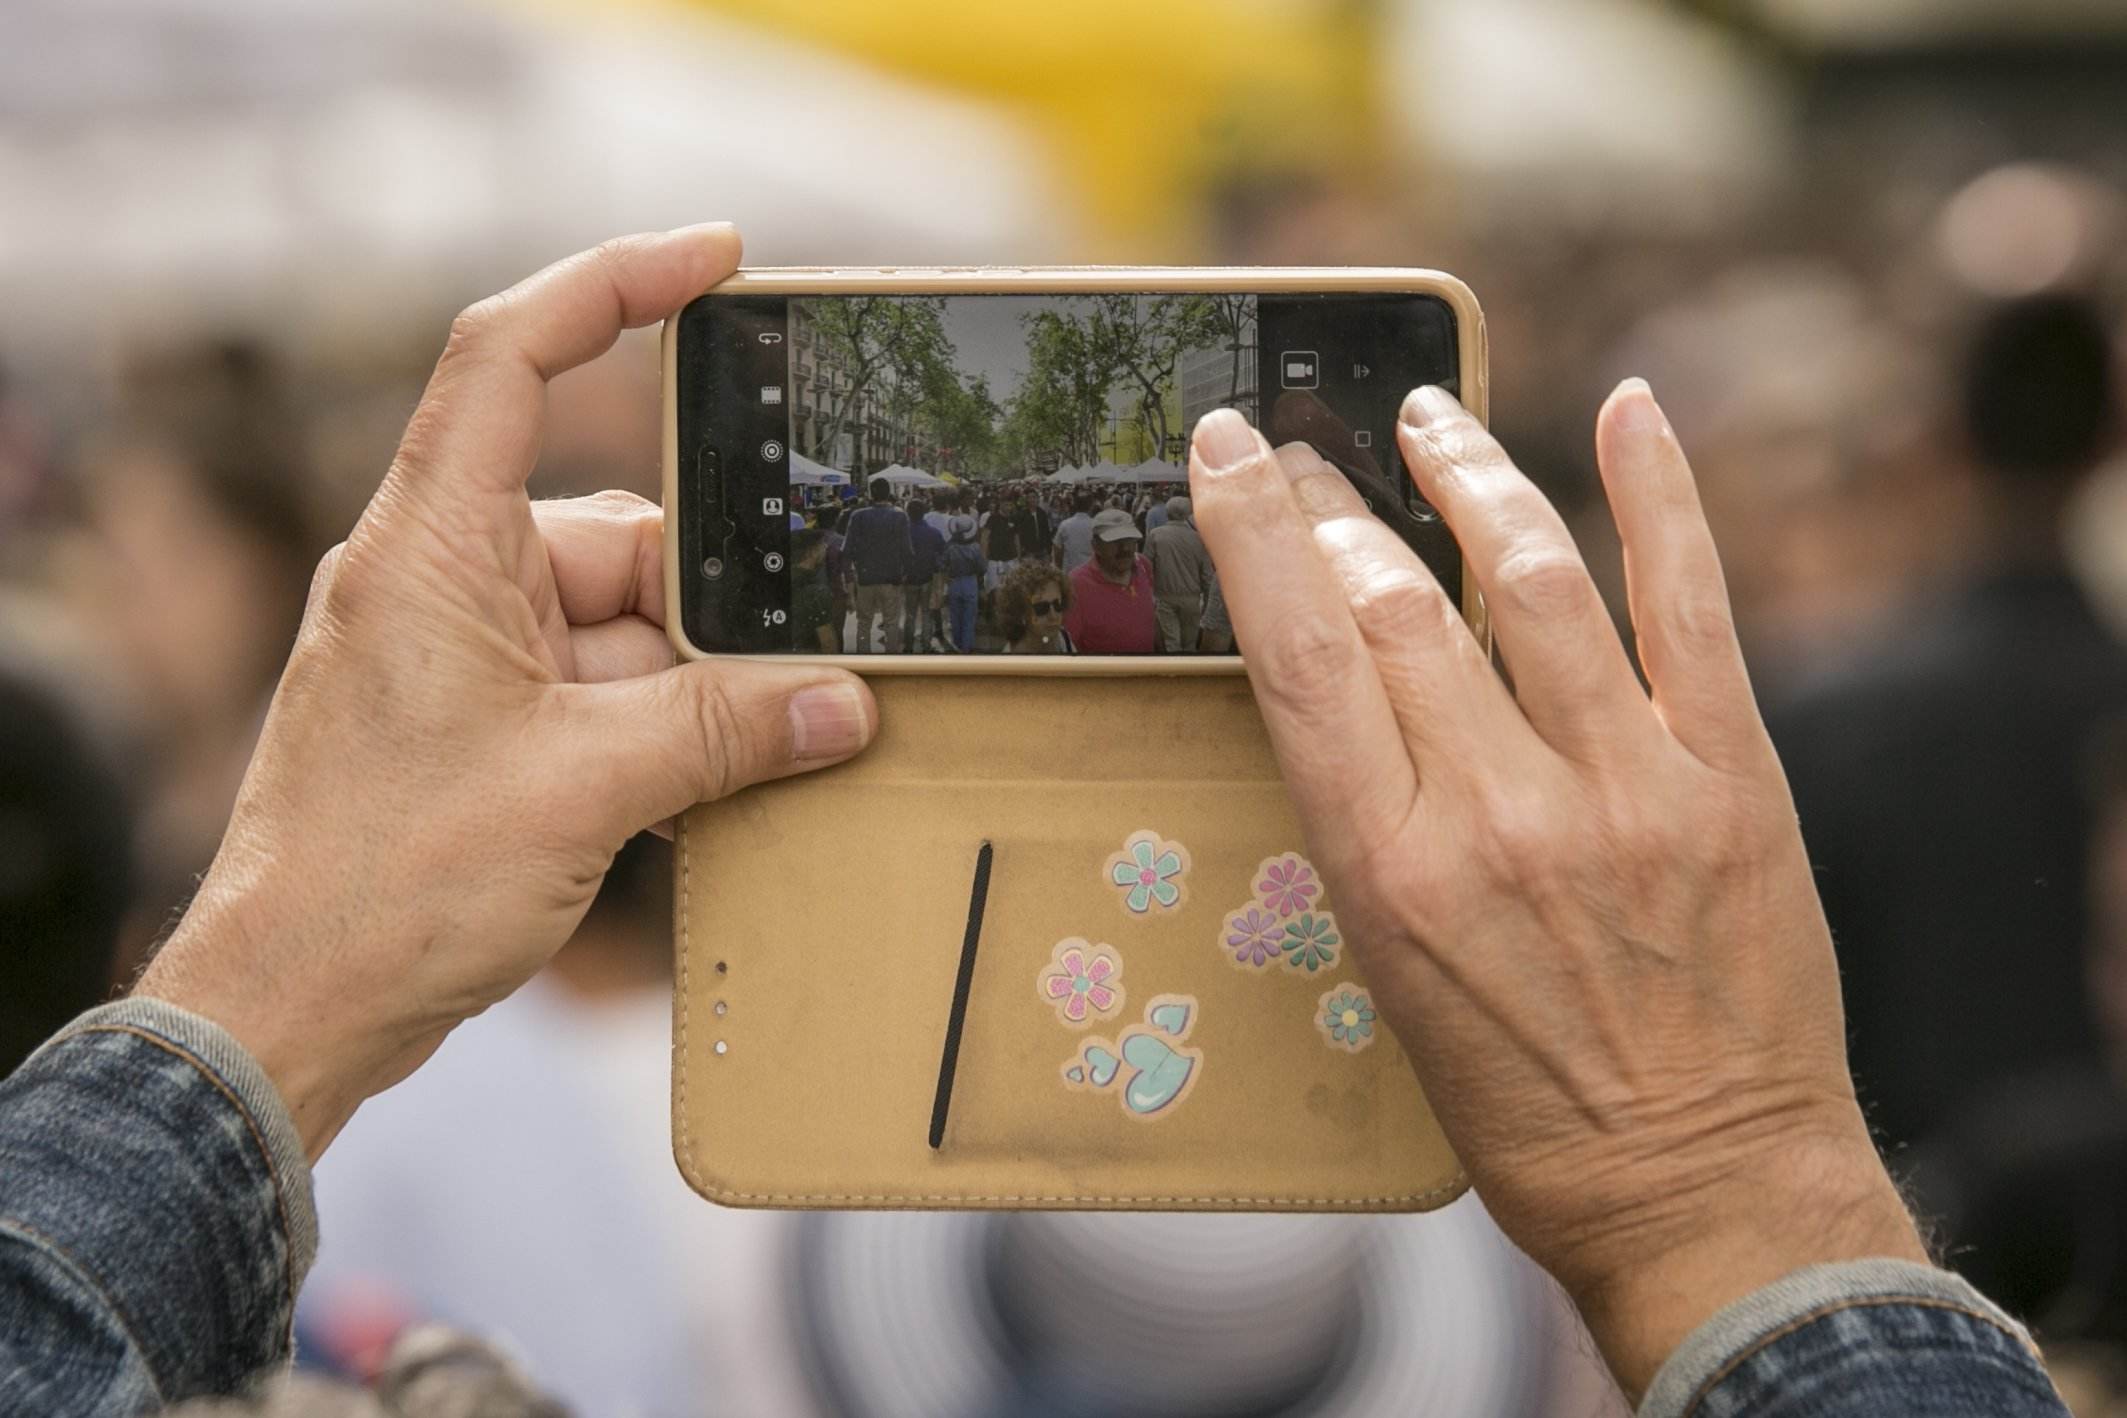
(1112, 607)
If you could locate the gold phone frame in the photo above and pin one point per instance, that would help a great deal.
(1471, 353)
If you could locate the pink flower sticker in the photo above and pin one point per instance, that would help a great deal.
(1288, 884)
(1083, 982)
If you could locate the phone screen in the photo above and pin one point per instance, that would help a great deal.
(1007, 474)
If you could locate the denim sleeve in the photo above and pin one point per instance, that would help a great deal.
(1881, 1338)
(155, 1216)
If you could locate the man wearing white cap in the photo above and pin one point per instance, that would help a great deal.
(1111, 596)
(1181, 570)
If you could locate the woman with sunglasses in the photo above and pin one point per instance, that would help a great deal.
(1030, 609)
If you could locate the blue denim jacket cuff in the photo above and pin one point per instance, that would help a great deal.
(1733, 1333)
(215, 1050)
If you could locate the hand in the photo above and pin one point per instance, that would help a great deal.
(480, 709)
(1586, 913)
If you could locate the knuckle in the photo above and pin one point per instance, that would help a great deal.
(1300, 656)
(1521, 838)
(1542, 583)
(327, 570)
(473, 326)
(1401, 601)
(1698, 621)
(725, 738)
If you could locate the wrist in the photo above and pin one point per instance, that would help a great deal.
(1813, 1198)
(220, 963)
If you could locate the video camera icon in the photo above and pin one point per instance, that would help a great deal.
(1300, 369)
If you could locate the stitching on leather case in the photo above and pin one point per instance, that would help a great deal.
(683, 1066)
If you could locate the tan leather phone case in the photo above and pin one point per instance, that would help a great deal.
(1160, 1012)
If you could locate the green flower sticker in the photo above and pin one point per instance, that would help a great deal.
(1312, 941)
(1345, 1015)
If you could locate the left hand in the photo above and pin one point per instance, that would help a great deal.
(480, 709)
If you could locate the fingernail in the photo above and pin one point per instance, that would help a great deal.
(1427, 404)
(1637, 411)
(828, 721)
(1224, 439)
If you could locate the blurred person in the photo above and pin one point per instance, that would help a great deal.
(1181, 571)
(943, 506)
(1030, 610)
(432, 1372)
(1938, 773)
(924, 595)
(1828, 452)
(812, 603)
(1034, 528)
(189, 566)
(835, 564)
(1073, 543)
(876, 547)
(965, 568)
(1215, 635)
(66, 864)
(1112, 605)
(1703, 1186)
(25, 462)
(636, 1299)
(1001, 537)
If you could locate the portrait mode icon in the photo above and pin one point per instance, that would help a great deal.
(1300, 369)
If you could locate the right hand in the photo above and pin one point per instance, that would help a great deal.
(1587, 914)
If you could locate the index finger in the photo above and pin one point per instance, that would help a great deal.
(478, 424)
(1339, 746)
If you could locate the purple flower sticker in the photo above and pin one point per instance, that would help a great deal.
(1288, 884)
(1253, 936)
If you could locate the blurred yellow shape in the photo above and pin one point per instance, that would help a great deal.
(1149, 104)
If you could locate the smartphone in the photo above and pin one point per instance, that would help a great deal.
(987, 468)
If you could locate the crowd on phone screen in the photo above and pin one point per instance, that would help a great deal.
(1011, 567)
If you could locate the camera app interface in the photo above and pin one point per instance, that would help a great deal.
(1007, 474)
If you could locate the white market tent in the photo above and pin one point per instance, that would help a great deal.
(1155, 470)
(804, 472)
(1105, 471)
(1068, 473)
(905, 477)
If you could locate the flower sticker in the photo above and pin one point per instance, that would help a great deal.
(1346, 1017)
(1083, 981)
(1288, 884)
(1252, 937)
(1311, 941)
(1149, 870)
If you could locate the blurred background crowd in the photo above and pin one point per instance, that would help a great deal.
(1872, 255)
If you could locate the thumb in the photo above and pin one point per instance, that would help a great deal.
(662, 743)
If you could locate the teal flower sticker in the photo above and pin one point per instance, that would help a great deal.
(1345, 1015)
(1149, 871)
(1312, 941)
